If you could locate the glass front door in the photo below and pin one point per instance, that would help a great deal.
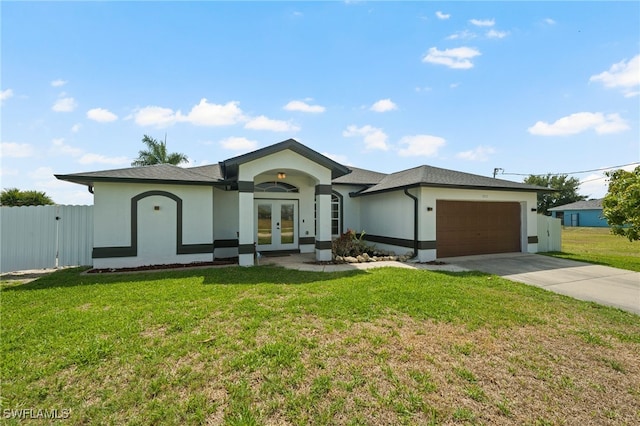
(276, 223)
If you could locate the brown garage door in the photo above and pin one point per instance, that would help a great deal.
(465, 228)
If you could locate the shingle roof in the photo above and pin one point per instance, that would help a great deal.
(159, 173)
(437, 177)
(211, 170)
(581, 205)
(360, 177)
(214, 174)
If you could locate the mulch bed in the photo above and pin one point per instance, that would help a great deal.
(220, 262)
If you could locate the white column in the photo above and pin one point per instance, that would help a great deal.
(323, 223)
(246, 237)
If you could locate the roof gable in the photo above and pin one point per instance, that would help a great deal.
(229, 168)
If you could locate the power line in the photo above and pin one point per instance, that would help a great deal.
(568, 173)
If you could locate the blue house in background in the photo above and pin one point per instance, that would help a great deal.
(581, 213)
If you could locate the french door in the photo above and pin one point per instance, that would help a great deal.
(276, 224)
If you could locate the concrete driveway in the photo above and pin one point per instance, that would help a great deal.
(602, 284)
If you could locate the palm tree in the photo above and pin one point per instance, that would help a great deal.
(157, 154)
(13, 197)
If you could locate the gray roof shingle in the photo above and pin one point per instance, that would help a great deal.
(595, 204)
(160, 173)
(437, 177)
(360, 177)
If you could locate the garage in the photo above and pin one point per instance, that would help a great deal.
(466, 228)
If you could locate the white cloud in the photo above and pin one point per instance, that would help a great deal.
(59, 147)
(102, 159)
(42, 173)
(58, 83)
(624, 75)
(4, 171)
(154, 116)
(594, 185)
(549, 21)
(6, 94)
(462, 35)
(443, 16)
(374, 138)
(483, 22)
(496, 34)
(76, 128)
(480, 153)
(202, 114)
(16, 150)
(239, 144)
(303, 107)
(101, 115)
(207, 114)
(421, 145)
(264, 123)
(67, 104)
(457, 58)
(383, 105)
(338, 158)
(580, 122)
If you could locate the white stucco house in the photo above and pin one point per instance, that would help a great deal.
(288, 197)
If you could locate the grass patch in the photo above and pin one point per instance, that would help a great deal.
(269, 345)
(599, 246)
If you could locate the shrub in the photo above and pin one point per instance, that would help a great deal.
(350, 243)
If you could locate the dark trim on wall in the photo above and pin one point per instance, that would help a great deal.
(246, 248)
(324, 245)
(427, 245)
(532, 240)
(323, 189)
(195, 248)
(306, 240)
(231, 243)
(245, 186)
(401, 242)
(132, 250)
(106, 252)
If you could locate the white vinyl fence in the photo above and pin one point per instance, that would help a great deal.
(37, 237)
(549, 234)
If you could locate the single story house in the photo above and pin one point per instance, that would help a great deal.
(581, 213)
(288, 197)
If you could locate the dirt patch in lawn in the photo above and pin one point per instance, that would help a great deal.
(401, 370)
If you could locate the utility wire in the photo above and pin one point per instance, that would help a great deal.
(570, 173)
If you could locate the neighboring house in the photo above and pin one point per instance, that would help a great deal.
(581, 213)
(288, 197)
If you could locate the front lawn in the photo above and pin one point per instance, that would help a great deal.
(599, 245)
(265, 345)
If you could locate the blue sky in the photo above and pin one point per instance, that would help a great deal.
(531, 88)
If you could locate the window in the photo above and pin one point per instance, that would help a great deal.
(275, 187)
(336, 213)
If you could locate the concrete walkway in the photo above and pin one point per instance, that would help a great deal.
(584, 281)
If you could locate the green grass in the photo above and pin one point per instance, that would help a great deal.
(600, 246)
(244, 346)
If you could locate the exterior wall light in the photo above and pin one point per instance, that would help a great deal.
(429, 209)
(282, 175)
(156, 208)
